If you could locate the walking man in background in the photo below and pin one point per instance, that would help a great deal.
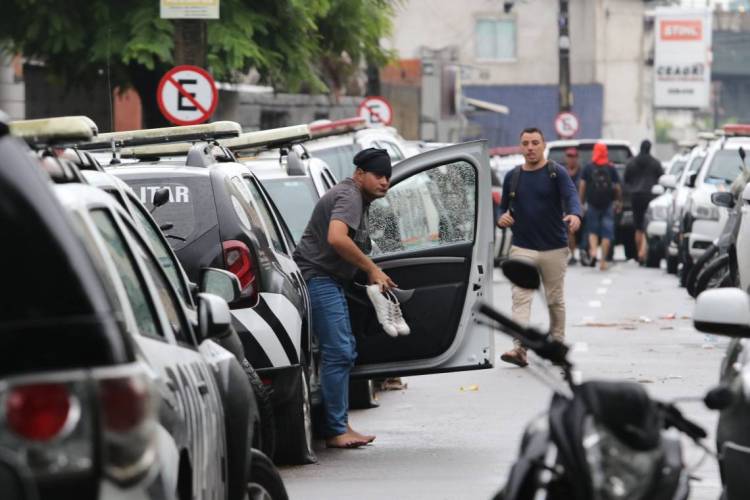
(601, 191)
(333, 247)
(540, 203)
(641, 173)
(574, 171)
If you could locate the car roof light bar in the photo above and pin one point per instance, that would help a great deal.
(737, 129)
(268, 139)
(149, 136)
(57, 130)
(325, 128)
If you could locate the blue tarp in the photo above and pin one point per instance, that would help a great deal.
(534, 106)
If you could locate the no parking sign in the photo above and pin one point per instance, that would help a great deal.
(187, 95)
(376, 110)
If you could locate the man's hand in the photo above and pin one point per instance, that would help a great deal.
(505, 220)
(573, 222)
(378, 277)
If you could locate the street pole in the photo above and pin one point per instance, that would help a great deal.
(190, 42)
(563, 43)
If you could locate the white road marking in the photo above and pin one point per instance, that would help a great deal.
(588, 319)
(606, 281)
(601, 291)
(595, 303)
(580, 347)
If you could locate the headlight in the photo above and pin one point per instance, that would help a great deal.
(658, 213)
(617, 471)
(700, 211)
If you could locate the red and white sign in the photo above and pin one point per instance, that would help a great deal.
(187, 95)
(566, 124)
(376, 110)
(680, 29)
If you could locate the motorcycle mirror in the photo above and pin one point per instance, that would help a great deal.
(742, 153)
(719, 398)
(521, 273)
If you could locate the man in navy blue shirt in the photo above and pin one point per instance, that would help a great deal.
(544, 206)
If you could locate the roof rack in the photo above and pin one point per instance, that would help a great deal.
(271, 138)
(58, 130)
(325, 128)
(165, 135)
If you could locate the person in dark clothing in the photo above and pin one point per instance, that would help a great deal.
(540, 203)
(641, 173)
(601, 191)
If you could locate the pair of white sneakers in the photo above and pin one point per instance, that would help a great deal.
(388, 311)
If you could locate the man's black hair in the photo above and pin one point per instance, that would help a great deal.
(531, 130)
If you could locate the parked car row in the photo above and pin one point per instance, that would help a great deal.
(176, 247)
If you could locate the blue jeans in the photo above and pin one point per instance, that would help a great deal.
(338, 350)
(601, 222)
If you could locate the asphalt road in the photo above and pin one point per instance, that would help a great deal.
(455, 436)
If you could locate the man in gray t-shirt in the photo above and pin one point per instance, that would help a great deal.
(333, 247)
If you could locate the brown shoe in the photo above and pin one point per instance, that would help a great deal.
(515, 357)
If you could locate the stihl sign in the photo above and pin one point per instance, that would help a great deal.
(681, 30)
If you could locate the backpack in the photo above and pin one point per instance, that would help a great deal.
(600, 190)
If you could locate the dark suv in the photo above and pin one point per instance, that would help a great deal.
(220, 216)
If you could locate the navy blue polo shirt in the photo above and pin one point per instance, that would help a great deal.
(541, 203)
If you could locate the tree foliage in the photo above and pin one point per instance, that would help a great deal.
(292, 44)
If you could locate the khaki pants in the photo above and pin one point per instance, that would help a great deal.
(552, 265)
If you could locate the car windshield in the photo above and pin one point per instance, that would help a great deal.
(338, 159)
(677, 167)
(295, 198)
(725, 167)
(619, 155)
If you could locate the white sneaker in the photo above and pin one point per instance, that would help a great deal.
(398, 318)
(383, 309)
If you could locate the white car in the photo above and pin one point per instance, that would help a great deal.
(702, 219)
(657, 215)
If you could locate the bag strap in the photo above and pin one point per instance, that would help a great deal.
(516, 175)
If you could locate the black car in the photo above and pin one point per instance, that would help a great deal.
(220, 216)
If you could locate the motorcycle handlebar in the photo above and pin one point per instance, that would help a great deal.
(544, 345)
(674, 418)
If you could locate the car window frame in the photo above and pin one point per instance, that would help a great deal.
(284, 235)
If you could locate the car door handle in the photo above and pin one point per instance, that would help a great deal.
(203, 388)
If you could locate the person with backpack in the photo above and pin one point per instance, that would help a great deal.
(541, 204)
(601, 191)
(641, 173)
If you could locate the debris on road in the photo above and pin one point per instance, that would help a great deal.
(469, 388)
(668, 316)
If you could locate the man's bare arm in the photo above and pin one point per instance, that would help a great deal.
(338, 238)
(582, 190)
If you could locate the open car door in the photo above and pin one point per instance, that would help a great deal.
(432, 234)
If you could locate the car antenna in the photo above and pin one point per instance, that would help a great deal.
(115, 160)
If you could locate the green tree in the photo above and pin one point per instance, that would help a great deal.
(292, 44)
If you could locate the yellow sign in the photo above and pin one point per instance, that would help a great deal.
(189, 9)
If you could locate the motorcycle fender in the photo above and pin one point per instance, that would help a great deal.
(735, 463)
(525, 469)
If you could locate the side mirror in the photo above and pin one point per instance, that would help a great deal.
(725, 311)
(691, 179)
(214, 318)
(723, 199)
(742, 153)
(668, 181)
(746, 193)
(657, 190)
(161, 196)
(719, 398)
(522, 273)
(220, 282)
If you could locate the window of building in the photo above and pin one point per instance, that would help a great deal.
(495, 39)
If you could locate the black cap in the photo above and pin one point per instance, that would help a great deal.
(374, 160)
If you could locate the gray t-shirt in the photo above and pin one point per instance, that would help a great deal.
(314, 255)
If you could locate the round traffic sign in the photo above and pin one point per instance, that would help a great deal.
(187, 95)
(566, 124)
(376, 110)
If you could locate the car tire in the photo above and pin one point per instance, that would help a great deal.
(362, 394)
(264, 437)
(672, 264)
(700, 265)
(653, 257)
(264, 481)
(716, 275)
(294, 428)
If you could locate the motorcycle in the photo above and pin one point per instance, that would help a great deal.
(600, 440)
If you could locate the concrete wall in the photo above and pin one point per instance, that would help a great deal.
(12, 90)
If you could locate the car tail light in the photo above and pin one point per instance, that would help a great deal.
(38, 412)
(56, 422)
(128, 409)
(240, 263)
